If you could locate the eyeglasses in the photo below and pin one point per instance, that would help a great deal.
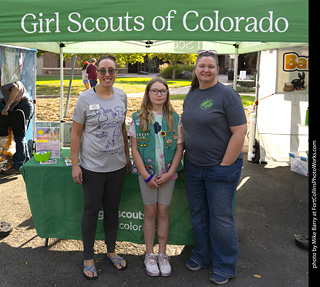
(212, 52)
(156, 92)
(111, 71)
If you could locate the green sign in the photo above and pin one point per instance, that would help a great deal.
(105, 20)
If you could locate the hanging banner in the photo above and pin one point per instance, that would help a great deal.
(11, 65)
(293, 71)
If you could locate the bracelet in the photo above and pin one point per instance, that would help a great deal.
(148, 179)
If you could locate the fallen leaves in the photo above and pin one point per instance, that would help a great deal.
(257, 276)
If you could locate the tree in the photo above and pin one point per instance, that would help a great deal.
(122, 59)
(175, 59)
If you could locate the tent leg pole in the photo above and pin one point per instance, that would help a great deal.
(70, 84)
(61, 96)
(235, 73)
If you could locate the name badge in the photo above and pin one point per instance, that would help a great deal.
(94, 107)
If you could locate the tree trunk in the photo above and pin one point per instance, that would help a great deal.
(173, 71)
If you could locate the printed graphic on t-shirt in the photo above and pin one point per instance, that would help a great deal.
(157, 127)
(109, 128)
(206, 104)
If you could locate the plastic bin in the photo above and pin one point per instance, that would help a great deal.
(299, 162)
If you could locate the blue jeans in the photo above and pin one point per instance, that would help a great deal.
(93, 83)
(22, 152)
(210, 191)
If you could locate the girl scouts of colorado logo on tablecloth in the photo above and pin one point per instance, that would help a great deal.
(128, 220)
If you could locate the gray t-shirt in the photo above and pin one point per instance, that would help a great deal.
(102, 147)
(207, 116)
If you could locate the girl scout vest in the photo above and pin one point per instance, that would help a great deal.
(146, 144)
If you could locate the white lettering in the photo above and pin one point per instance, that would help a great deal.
(222, 24)
(33, 24)
(127, 17)
(75, 22)
(192, 21)
(120, 24)
(285, 22)
(185, 21)
(217, 21)
(105, 24)
(154, 23)
(269, 20)
(238, 19)
(169, 17)
(84, 24)
(128, 214)
(40, 23)
(210, 24)
(53, 20)
(253, 24)
(139, 23)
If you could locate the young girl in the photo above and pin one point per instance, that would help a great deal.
(157, 151)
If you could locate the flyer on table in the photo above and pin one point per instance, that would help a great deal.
(48, 139)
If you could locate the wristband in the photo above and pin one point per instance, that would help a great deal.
(149, 178)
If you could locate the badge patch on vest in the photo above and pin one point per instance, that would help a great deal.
(142, 142)
(206, 104)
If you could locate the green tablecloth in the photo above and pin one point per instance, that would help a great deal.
(56, 205)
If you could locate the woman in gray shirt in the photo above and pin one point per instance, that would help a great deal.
(215, 126)
(99, 134)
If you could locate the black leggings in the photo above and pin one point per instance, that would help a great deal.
(100, 189)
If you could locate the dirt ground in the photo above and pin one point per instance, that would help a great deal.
(48, 109)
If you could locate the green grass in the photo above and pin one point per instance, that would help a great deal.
(247, 100)
(50, 85)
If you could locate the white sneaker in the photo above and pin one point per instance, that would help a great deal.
(164, 264)
(151, 264)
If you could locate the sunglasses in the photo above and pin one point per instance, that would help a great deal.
(212, 52)
(111, 71)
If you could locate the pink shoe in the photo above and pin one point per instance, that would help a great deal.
(151, 264)
(164, 264)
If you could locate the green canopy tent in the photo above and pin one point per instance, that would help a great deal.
(124, 26)
(229, 20)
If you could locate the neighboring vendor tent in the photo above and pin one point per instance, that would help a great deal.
(19, 64)
(140, 26)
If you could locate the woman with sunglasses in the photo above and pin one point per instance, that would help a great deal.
(215, 126)
(99, 134)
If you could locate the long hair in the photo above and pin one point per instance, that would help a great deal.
(84, 67)
(194, 80)
(146, 117)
